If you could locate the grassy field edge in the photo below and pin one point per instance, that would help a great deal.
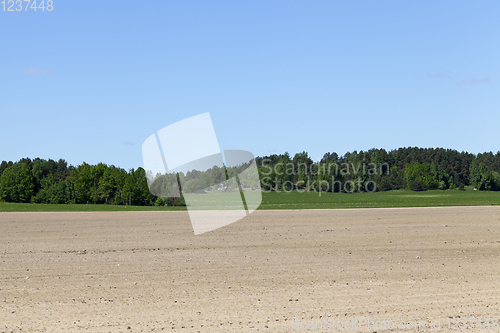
(305, 200)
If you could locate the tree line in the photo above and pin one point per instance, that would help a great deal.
(49, 181)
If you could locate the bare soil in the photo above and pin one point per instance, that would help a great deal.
(147, 272)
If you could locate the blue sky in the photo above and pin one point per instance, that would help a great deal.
(91, 80)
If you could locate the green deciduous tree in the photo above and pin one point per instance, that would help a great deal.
(420, 177)
(481, 176)
(17, 183)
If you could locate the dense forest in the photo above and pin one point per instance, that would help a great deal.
(48, 181)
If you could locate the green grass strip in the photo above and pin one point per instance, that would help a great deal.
(306, 200)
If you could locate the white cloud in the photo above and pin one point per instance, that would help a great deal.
(440, 75)
(36, 71)
(474, 81)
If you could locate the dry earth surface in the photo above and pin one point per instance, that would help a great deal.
(147, 272)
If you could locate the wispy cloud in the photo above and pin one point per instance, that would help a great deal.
(272, 151)
(36, 71)
(128, 143)
(474, 81)
(461, 83)
(440, 75)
